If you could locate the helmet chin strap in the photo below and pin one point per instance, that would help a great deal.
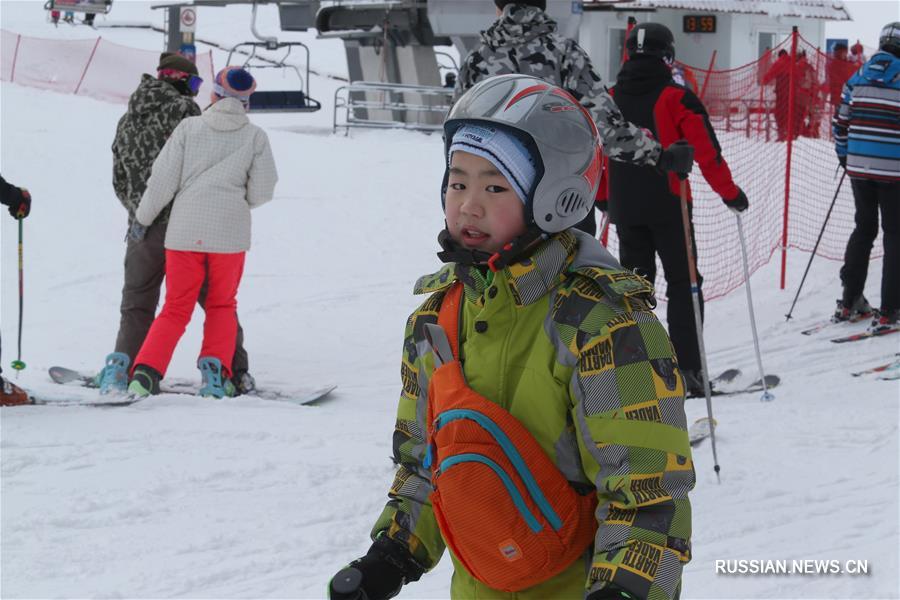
(454, 252)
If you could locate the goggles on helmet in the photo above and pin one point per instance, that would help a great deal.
(193, 81)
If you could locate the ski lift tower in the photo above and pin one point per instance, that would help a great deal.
(295, 15)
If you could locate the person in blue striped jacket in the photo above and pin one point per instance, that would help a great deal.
(867, 141)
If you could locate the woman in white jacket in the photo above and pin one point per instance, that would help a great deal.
(214, 168)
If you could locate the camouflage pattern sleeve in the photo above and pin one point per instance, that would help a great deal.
(165, 179)
(622, 140)
(408, 516)
(629, 412)
(466, 77)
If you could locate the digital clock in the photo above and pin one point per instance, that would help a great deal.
(699, 24)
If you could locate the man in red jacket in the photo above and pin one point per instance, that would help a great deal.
(644, 203)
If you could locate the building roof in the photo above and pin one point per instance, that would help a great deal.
(809, 9)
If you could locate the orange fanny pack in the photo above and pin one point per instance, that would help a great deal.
(503, 507)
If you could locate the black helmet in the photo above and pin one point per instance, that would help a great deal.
(889, 40)
(651, 39)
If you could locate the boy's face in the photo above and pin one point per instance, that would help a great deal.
(483, 212)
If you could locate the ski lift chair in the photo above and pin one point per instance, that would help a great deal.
(277, 101)
(98, 7)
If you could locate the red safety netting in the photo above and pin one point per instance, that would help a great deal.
(773, 121)
(95, 68)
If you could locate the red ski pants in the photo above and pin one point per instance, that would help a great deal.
(185, 273)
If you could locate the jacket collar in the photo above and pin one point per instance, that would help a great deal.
(227, 114)
(529, 279)
(641, 75)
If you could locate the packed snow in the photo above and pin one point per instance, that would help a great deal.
(179, 496)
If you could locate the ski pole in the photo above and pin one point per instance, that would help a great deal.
(816, 247)
(767, 396)
(695, 297)
(17, 364)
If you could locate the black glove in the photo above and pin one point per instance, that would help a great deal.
(679, 157)
(137, 231)
(611, 592)
(739, 203)
(842, 160)
(21, 203)
(378, 575)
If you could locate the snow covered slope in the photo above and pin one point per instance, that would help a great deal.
(182, 497)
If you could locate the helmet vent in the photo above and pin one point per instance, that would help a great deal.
(569, 202)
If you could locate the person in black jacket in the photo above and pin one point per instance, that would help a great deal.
(18, 200)
(644, 202)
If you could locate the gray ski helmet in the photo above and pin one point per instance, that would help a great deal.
(889, 39)
(558, 131)
(652, 39)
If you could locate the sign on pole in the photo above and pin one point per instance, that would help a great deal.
(188, 19)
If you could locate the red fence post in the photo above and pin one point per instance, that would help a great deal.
(790, 151)
(12, 75)
(83, 73)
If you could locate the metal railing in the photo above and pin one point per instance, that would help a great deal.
(391, 106)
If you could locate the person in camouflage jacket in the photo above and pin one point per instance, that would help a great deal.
(155, 109)
(524, 40)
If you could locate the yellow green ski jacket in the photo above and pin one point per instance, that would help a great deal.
(567, 342)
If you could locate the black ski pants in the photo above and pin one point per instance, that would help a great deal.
(870, 197)
(145, 269)
(638, 247)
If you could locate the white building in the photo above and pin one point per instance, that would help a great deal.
(739, 31)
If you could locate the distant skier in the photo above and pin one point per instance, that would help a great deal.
(867, 143)
(155, 108)
(540, 432)
(645, 203)
(524, 40)
(779, 74)
(212, 170)
(18, 202)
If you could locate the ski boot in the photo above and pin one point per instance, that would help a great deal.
(144, 382)
(214, 384)
(693, 384)
(113, 378)
(859, 309)
(243, 383)
(886, 321)
(11, 394)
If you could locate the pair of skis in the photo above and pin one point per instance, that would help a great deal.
(726, 377)
(70, 377)
(863, 335)
(888, 371)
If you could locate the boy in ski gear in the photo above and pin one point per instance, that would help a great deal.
(574, 379)
(155, 108)
(18, 201)
(644, 203)
(524, 40)
(866, 141)
(213, 170)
